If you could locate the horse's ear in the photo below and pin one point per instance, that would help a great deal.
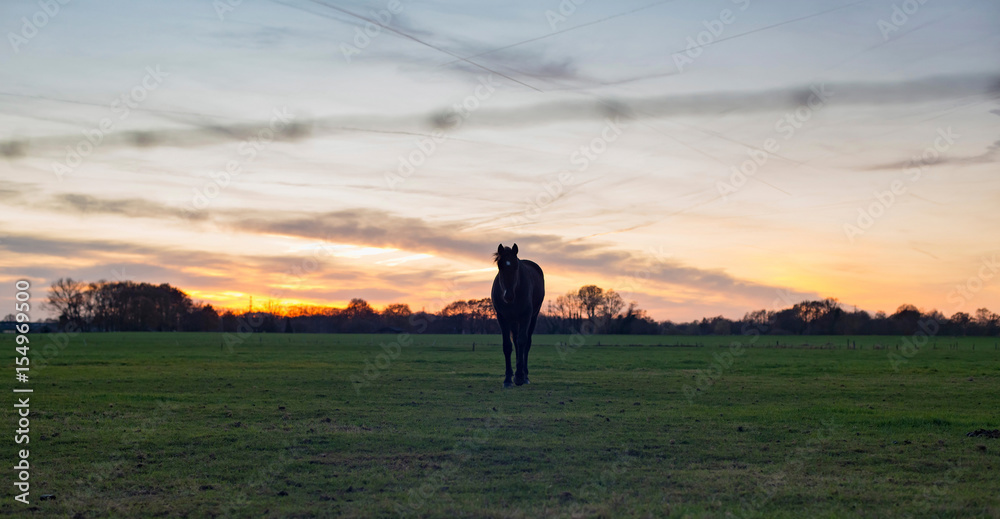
(499, 248)
(514, 249)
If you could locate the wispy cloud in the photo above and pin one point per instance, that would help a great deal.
(913, 91)
(586, 259)
(357, 121)
(128, 207)
(989, 155)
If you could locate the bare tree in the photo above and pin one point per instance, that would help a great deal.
(396, 315)
(455, 309)
(758, 318)
(397, 310)
(612, 305)
(566, 306)
(481, 311)
(359, 309)
(66, 297)
(984, 317)
(591, 297)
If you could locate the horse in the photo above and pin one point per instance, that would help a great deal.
(518, 291)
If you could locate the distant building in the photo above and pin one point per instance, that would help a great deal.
(11, 327)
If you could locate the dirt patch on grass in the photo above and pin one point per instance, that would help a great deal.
(984, 433)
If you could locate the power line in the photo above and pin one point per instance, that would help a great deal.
(418, 40)
(779, 24)
(568, 29)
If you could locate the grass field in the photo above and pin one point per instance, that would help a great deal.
(174, 424)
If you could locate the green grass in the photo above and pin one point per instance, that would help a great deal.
(173, 424)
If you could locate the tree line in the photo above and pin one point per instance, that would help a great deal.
(127, 306)
(131, 306)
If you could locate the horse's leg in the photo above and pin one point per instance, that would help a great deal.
(507, 349)
(527, 346)
(520, 342)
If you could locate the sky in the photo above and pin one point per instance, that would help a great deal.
(701, 158)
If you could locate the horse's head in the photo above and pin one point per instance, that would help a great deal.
(508, 264)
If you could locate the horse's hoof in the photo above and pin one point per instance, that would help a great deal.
(519, 381)
(526, 381)
(506, 383)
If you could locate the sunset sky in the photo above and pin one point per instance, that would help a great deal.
(602, 139)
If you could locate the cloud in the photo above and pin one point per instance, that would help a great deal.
(585, 259)
(11, 192)
(128, 207)
(381, 229)
(843, 94)
(258, 37)
(321, 277)
(18, 243)
(990, 154)
(928, 89)
(531, 64)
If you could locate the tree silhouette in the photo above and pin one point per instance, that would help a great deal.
(906, 317)
(611, 305)
(590, 299)
(396, 315)
(66, 297)
(131, 306)
(358, 309)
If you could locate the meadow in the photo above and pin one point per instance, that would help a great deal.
(181, 424)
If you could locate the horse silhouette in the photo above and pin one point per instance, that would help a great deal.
(518, 291)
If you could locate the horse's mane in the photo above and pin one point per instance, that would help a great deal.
(506, 251)
(496, 255)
